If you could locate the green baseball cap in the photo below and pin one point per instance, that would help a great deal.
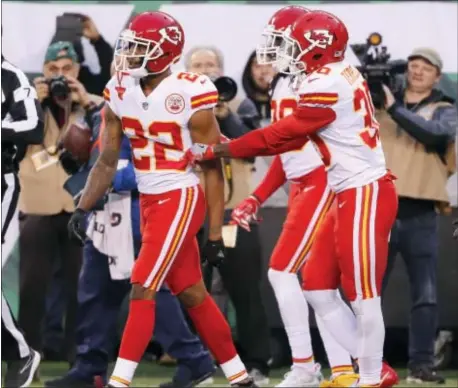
(59, 50)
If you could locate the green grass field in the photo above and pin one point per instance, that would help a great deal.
(151, 375)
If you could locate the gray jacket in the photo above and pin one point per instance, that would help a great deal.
(434, 134)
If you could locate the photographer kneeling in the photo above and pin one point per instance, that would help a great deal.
(418, 131)
(44, 204)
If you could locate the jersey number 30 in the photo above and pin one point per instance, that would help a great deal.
(144, 138)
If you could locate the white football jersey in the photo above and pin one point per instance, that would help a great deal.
(157, 126)
(300, 162)
(350, 147)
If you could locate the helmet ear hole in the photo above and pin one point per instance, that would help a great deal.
(316, 57)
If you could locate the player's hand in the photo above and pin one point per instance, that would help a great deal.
(214, 252)
(455, 232)
(246, 212)
(77, 226)
(199, 153)
(42, 88)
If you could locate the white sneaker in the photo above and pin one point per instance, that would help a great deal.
(258, 377)
(299, 377)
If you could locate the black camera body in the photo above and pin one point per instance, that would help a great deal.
(377, 68)
(58, 87)
(227, 88)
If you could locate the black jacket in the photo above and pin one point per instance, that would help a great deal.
(95, 83)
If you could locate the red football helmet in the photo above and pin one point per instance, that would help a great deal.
(313, 41)
(152, 42)
(266, 52)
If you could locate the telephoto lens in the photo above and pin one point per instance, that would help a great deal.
(227, 88)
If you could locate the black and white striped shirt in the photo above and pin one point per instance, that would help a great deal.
(22, 116)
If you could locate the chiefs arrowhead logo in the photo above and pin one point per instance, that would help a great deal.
(318, 38)
(171, 34)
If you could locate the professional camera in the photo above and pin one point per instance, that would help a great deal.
(227, 88)
(58, 87)
(377, 68)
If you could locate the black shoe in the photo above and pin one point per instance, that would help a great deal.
(424, 374)
(248, 382)
(70, 381)
(192, 373)
(205, 379)
(20, 373)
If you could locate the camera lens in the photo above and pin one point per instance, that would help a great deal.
(59, 88)
(227, 88)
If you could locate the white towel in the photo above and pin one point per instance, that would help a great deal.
(111, 233)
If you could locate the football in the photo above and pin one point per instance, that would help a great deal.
(77, 141)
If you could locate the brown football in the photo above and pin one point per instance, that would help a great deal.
(77, 141)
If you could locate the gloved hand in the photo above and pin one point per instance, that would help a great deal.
(198, 153)
(214, 253)
(455, 232)
(246, 212)
(77, 226)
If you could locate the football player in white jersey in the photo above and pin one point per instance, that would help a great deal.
(310, 198)
(163, 113)
(336, 113)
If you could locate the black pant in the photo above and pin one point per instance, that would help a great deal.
(42, 240)
(14, 345)
(416, 239)
(241, 276)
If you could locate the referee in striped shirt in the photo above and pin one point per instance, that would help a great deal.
(22, 124)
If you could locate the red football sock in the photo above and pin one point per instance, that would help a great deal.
(138, 330)
(213, 329)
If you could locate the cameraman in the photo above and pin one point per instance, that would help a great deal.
(241, 272)
(418, 132)
(44, 204)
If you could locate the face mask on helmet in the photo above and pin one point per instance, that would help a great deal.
(133, 54)
(288, 54)
(267, 50)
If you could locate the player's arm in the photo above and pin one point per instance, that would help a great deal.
(205, 130)
(273, 180)
(287, 134)
(104, 169)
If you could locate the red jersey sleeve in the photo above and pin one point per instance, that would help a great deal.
(274, 179)
(314, 111)
(287, 134)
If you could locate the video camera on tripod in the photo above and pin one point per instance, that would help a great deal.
(377, 68)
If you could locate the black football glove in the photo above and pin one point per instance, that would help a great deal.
(77, 226)
(455, 232)
(214, 253)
